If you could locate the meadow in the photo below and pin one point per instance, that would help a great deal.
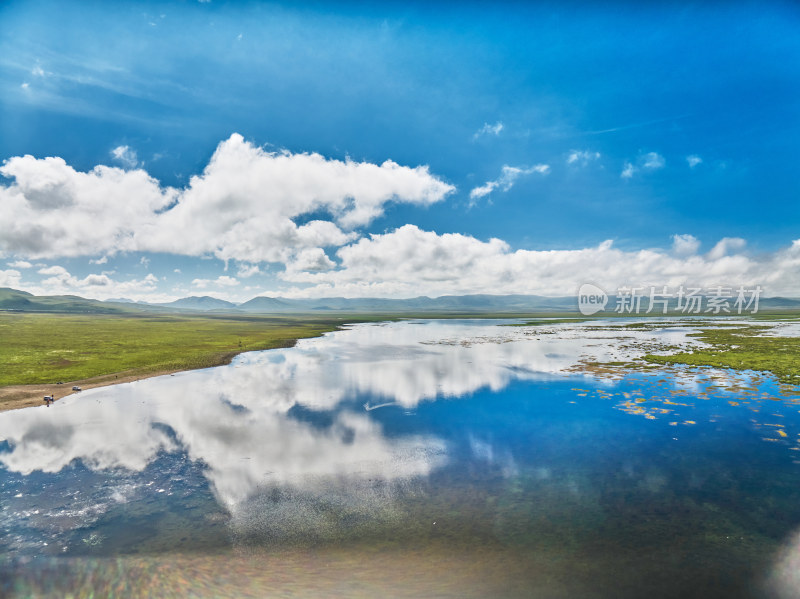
(49, 348)
(743, 347)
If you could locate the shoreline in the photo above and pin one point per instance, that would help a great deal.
(17, 397)
(719, 354)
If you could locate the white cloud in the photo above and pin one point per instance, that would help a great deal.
(20, 264)
(488, 129)
(25, 85)
(508, 175)
(685, 245)
(221, 281)
(627, 171)
(97, 281)
(102, 260)
(243, 206)
(693, 160)
(725, 246)
(582, 157)
(248, 270)
(226, 281)
(653, 161)
(38, 71)
(409, 262)
(55, 271)
(10, 278)
(60, 281)
(312, 260)
(144, 261)
(51, 210)
(126, 156)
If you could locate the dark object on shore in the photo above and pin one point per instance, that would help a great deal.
(76, 388)
(48, 399)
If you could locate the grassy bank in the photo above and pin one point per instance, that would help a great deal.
(47, 348)
(742, 348)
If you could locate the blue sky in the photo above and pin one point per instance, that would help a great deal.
(553, 127)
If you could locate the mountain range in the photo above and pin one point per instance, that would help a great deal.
(22, 301)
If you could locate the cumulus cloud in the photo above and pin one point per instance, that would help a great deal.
(55, 271)
(726, 246)
(507, 178)
(52, 210)
(409, 262)
(248, 270)
(60, 280)
(627, 171)
(582, 157)
(57, 280)
(243, 206)
(488, 129)
(102, 260)
(126, 156)
(10, 278)
(693, 160)
(221, 281)
(651, 161)
(685, 245)
(96, 281)
(20, 264)
(311, 259)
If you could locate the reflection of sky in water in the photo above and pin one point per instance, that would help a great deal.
(782, 329)
(405, 431)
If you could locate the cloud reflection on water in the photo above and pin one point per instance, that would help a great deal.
(241, 422)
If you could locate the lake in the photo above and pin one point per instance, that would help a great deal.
(430, 458)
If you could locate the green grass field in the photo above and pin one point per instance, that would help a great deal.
(743, 347)
(48, 348)
(38, 348)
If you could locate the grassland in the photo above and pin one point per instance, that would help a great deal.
(47, 348)
(742, 347)
(38, 350)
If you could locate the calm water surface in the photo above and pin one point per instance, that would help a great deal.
(414, 459)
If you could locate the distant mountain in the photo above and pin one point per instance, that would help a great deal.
(264, 304)
(779, 303)
(203, 304)
(12, 299)
(446, 304)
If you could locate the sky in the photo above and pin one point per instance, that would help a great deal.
(153, 151)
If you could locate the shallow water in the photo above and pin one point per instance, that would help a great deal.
(425, 458)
